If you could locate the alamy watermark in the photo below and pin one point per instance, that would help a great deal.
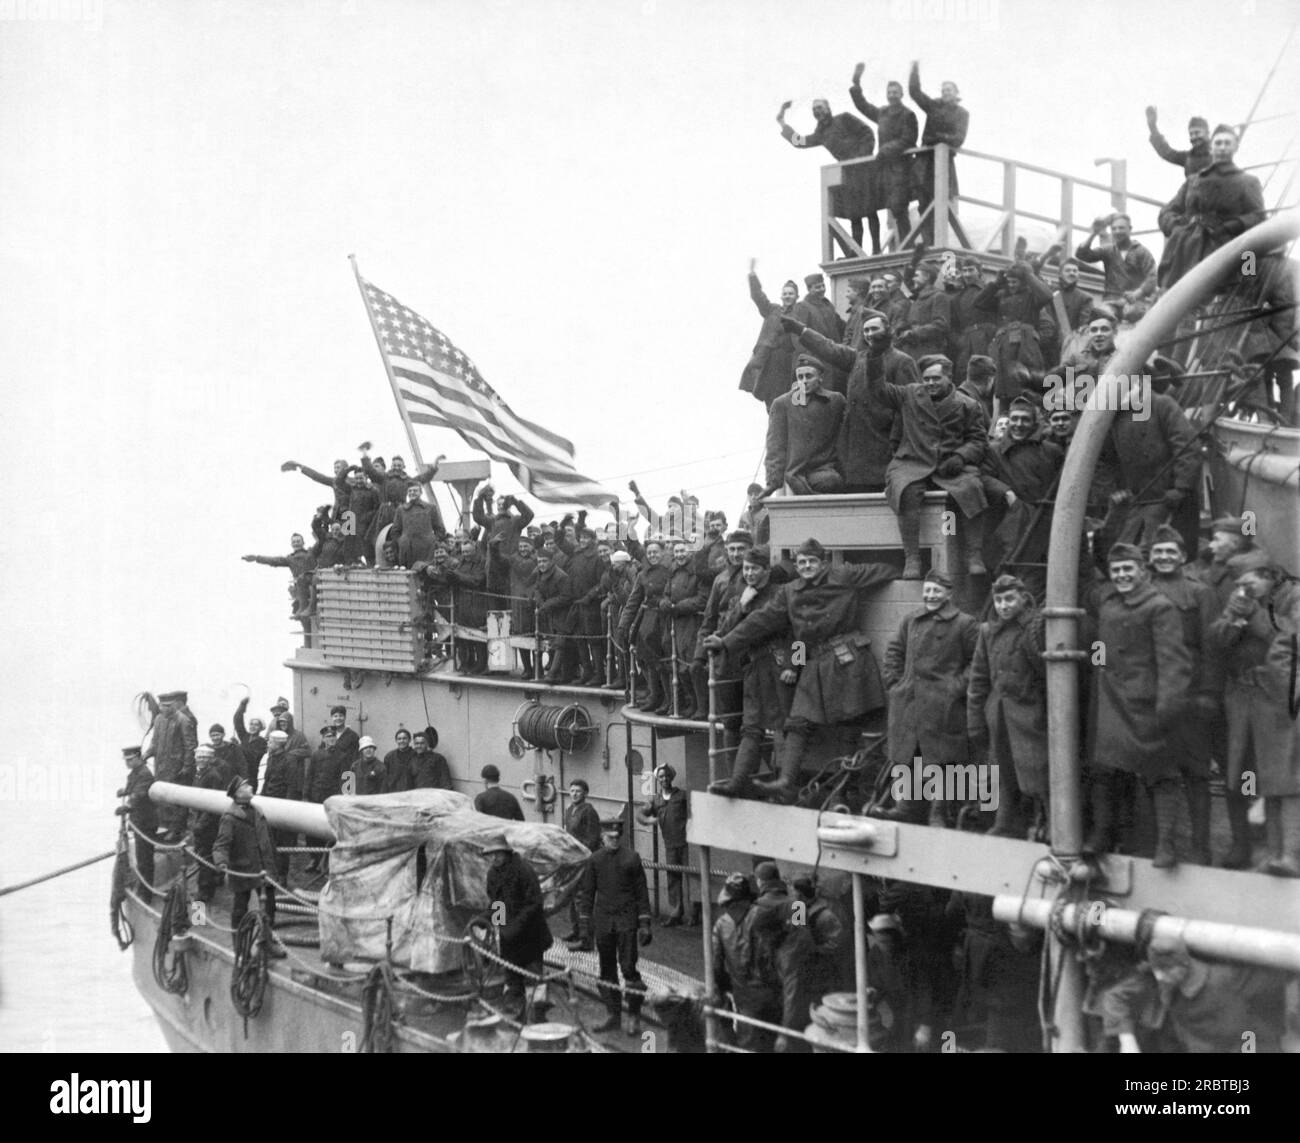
(88, 13)
(945, 782)
(1121, 392)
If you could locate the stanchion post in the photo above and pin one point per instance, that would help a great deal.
(860, 959)
(706, 925)
(672, 666)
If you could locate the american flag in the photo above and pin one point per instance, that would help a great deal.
(440, 386)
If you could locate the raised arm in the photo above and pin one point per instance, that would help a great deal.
(761, 301)
(835, 354)
(923, 101)
(1160, 145)
(269, 561)
(771, 619)
(791, 136)
(479, 511)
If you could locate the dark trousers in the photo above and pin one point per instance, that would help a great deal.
(240, 906)
(618, 953)
(144, 862)
(209, 879)
(676, 855)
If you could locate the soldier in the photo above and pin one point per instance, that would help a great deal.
(726, 586)
(641, 612)
(243, 851)
(1018, 295)
(301, 563)
(946, 121)
(324, 773)
(1196, 157)
(614, 911)
(615, 587)
(680, 607)
(399, 765)
(367, 769)
(1130, 267)
(393, 483)
(832, 941)
(142, 814)
(363, 504)
(942, 442)
(898, 132)
(974, 317)
(210, 773)
(523, 569)
(252, 743)
(283, 779)
(1006, 708)
(1140, 690)
(500, 536)
(553, 601)
(926, 669)
(232, 757)
(767, 677)
(523, 934)
(584, 571)
(172, 744)
(494, 800)
(839, 682)
(469, 601)
(751, 982)
(1091, 358)
(338, 483)
(927, 327)
(669, 808)
(1189, 739)
(981, 378)
(582, 823)
(845, 136)
(1229, 537)
(429, 769)
(415, 528)
(1072, 307)
(771, 365)
(1256, 639)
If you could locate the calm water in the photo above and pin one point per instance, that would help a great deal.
(64, 986)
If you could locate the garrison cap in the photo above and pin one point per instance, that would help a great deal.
(1168, 535)
(739, 536)
(933, 576)
(1256, 559)
(981, 366)
(760, 556)
(173, 696)
(810, 361)
(936, 359)
(814, 279)
(1198, 121)
(811, 547)
(1124, 552)
(1005, 583)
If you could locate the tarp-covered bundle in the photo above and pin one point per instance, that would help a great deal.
(374, 865)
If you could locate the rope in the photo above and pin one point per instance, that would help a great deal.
(123, 932)
(248, 980)
(58, 872)
(174, 919)
(379, 1011)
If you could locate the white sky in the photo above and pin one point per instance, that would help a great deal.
(571, 191)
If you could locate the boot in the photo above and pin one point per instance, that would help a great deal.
(1101, 799)
(974, 540)
(1008, 821)
(700, 690)
(741, 782)
(686, 705)
(1198, 809)
(654, 694)
(1238, 856)
(665, 703)
(1166, 797)
(1285, 861)
(909, 529)
(785, 790)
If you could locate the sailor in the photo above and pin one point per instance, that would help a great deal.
(771, 365)
(346, 743)
(640, 620)
(680, 606)
(1130, 267)
(142, 814)
(669, 808)
(1196, 157)
(865, 447)
(367, 769)
(767, 677)
(399, 764)
(252, 742)
(1210, 209)
(282, 779)
(494, 800)
(243, 852)
(211, 773)
(1190, 738)
(614, 912)
(230, 753)
(942, 442)
(751, 981)
(898, 133)
(1006, 707)
(839, 683)
(1141, 687)
(516, 906)
(616, 585)
(1255, 638)
(927, 665)
(946, 121)
(301, 563)
(172, 745)
(429, 769)
(845, 136)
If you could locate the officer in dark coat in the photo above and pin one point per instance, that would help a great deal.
(1210, 209)
(926, 669)
(946, 121)
(839, 682)
(142, 814)
(172, 745)
(614, 911)
(244, 850)
(771, 365)
(1141, 687)
(469, 600)
(898, 132)
(324, 775)
(517, 909)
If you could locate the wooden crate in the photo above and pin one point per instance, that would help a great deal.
(367, 618)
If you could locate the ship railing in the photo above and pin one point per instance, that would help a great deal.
(1012, 198)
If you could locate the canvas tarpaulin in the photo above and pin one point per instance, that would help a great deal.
(374, 867)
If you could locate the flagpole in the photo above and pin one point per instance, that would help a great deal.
(392, 381)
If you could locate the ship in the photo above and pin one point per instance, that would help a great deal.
(369, 649)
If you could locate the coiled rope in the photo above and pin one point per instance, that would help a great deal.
(175, 919)
(379, 1010)
(248, 980)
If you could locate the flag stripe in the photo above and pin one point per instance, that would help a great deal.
(440, 387)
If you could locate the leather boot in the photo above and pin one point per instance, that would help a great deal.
(654, 695)
(1008, 821)
(785, 790)
(741, 782)
(665, 703)
(1198, 808)
(1238, 856)
(700, 689)
(909, 529)
(686, 707)
(1167, 799)
(974, 541)
(1101, 800)
(1287, 861)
